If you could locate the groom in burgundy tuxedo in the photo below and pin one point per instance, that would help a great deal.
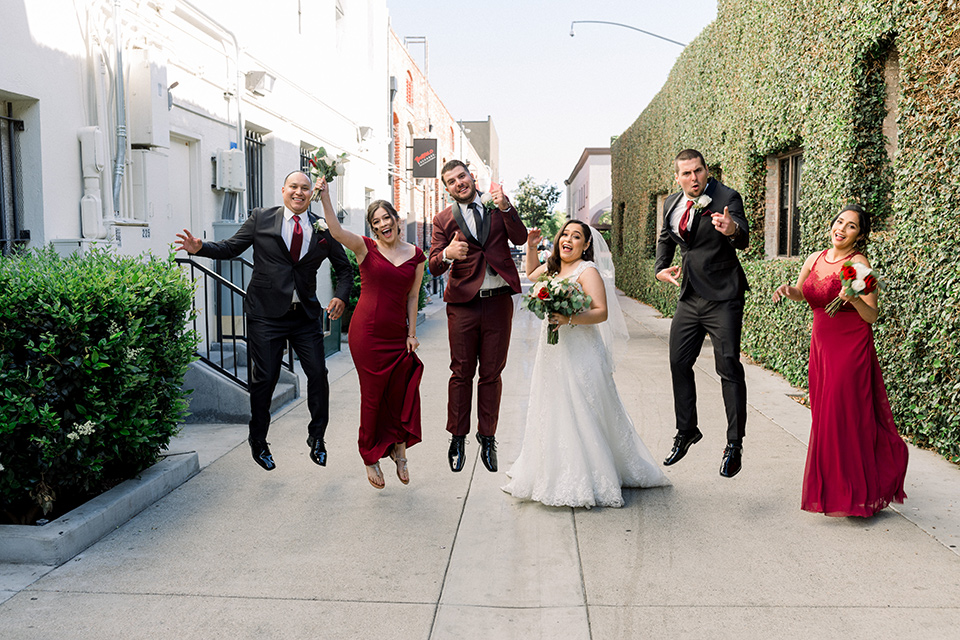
(289, 244)
(471, 241)
(707, 222)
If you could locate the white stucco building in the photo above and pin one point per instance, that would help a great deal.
(128, 120)
(589, 186)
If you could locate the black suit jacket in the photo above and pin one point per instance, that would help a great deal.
(270, 290)
(708, 258)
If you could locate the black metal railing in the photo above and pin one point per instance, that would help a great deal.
(220, 319)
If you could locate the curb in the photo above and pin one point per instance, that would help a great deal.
(68, 535)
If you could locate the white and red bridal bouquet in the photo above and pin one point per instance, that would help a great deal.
(856, 279)
(324, 165)
(549, 295)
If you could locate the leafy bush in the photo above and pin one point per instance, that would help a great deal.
(93, 349)
(351, 304)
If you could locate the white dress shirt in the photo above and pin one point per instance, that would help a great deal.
(677, 212)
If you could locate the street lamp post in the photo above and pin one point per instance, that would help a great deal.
(620, 24)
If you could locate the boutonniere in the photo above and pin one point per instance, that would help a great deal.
(701, 203)
(319, 225)
(487, 201)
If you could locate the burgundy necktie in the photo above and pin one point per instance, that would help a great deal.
(296, 242)
(685, 220)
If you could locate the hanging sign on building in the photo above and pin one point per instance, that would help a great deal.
(424, 157)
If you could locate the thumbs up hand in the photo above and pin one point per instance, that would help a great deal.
(457, 249)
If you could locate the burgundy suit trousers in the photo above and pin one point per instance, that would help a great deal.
(479, 333)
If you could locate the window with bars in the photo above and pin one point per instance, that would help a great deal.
(12, 232)
(253, 145)
(790, 172)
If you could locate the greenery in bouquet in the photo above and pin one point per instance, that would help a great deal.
(326, 166)
(555, 295)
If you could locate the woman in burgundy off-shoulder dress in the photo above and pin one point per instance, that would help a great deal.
(383, 337)
(856, 460)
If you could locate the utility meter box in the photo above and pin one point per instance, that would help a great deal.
(147, 109)
(230, 173)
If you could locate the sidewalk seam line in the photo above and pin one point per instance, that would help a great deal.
(583, 584)
(453, 544)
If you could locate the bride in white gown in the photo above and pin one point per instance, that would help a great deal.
(580, 446)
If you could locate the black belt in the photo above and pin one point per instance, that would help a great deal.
(294, 306)
(489, 293)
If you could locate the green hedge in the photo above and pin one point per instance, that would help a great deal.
(93, 349)
(772, 75)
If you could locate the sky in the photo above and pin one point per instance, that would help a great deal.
(549, 95)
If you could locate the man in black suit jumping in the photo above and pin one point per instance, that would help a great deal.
(289, 244)
(707, 222)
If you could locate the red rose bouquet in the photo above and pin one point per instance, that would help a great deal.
(856, 279)
(554, 295)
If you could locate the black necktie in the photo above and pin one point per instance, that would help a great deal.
(477, 219)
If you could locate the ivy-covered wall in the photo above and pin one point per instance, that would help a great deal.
(772, 75)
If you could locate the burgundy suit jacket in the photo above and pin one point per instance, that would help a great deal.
(491, 248)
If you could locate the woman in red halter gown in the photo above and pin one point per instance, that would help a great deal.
(856, 460)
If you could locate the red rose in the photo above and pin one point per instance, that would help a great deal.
(543, 294)
(871, 285)
(848, 272)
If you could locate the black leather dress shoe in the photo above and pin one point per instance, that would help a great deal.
(730, 466)
(681, 443)
(488, 452)
(261, 454)
(318, 451)
(456, 453)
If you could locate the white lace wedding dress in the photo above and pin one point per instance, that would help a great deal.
(580, 446)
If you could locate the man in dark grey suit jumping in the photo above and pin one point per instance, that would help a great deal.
(289, 244)
(706, 220)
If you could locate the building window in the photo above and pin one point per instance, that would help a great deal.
(305, 153)
(12, 232)
(409, 88)
(253, 148)
(789, 174)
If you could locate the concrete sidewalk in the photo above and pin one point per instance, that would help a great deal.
(305, 552)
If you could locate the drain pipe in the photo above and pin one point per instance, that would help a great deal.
(193, 15)
(120, 162)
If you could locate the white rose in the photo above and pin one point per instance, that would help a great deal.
(858, 285)
(536, 288)
(862, 270)
(339, 169)
(320, 224)
(703, 201)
